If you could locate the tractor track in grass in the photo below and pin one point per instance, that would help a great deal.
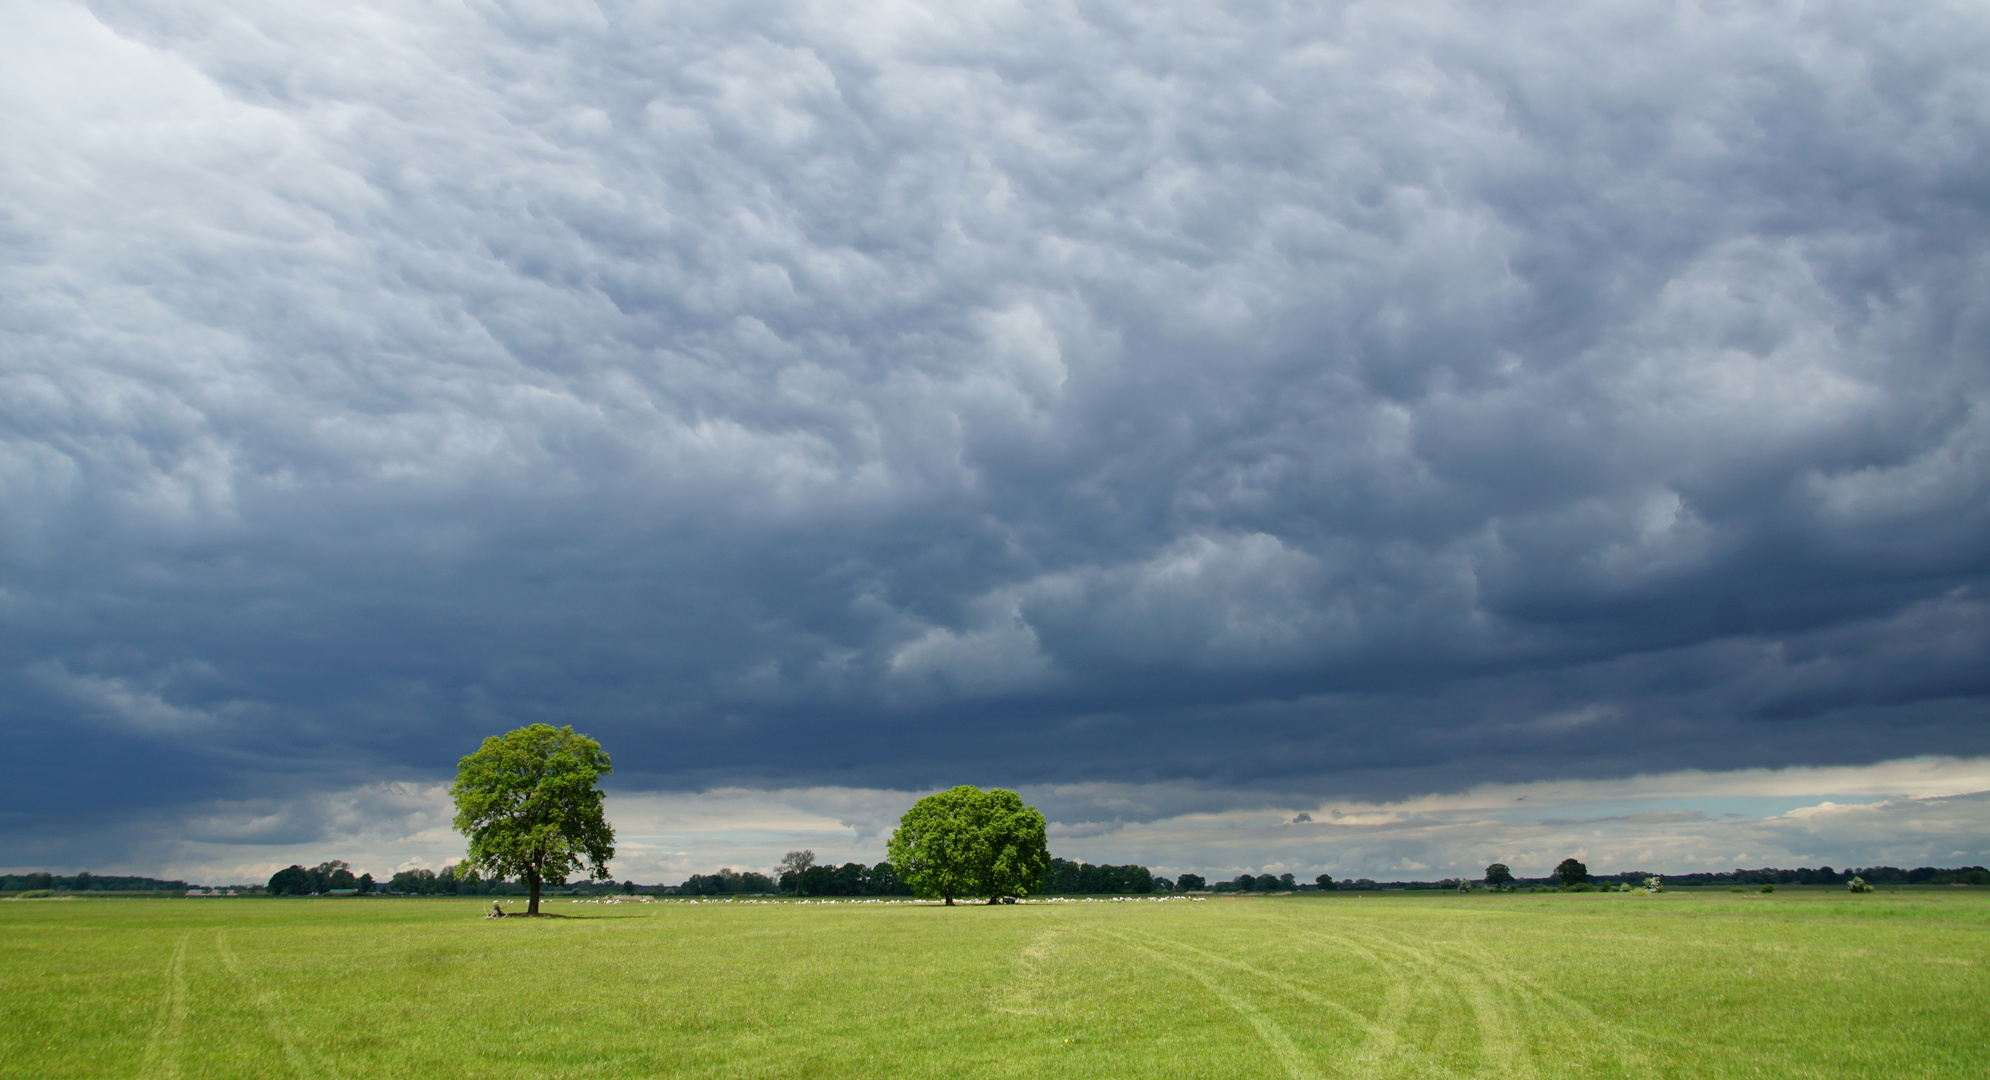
(1502, 1014)
(1385, 1046)
(1579, 1019)
(1582, 1022)
(1018, 996)
(1516, 1024)
(1269, 1032)
(162, 1047)
(270, 1004)
(1388, 1047)
(1514, 1014)
(1505, 1021)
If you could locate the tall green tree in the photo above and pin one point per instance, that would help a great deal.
(527, 800)
(968, 842)
(1498, 874)
(1572, 873)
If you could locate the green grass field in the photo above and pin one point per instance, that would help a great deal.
(1587, 985)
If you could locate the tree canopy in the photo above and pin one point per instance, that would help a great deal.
(292, 880)
(1072, 876)
(326, 876)
(1498, 874)
(1572, 873)
(527, 800)
(725, 882)
(969, 842)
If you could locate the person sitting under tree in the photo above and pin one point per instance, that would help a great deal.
(496, 911)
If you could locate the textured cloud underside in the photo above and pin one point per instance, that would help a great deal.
(1360, 398)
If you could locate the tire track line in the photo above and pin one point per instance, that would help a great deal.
(1399, 1001)
(1496, 1022)
(1297, 1064)
(1383, 1051)
(270, 1004)
(1624, 1038)
(162, 1049)
(1576, 1023)
(1400, 997)
(1498, 1012)
(1018, 997)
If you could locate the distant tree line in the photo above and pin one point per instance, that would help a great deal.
(86, 882)
(1572, 874)
(1065, 877)
(1577, 875)
(725, 883)
(454, 880)
(451, 880)
(332, 876)
(1259, 883)
(1070, 876)
(336, 875)
(1076, 877)
(850, 879)
(1824, 875)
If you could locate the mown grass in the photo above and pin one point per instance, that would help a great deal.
(1709, 985)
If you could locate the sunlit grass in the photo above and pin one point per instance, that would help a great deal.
(1700, 985)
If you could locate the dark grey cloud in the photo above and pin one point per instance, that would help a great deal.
(1343, 399)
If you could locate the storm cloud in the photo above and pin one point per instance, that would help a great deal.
(1252, 404)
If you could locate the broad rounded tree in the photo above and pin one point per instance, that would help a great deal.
(1498, 874)
(1572, 873)
(528, 802)
(968, 842)
(290, 881)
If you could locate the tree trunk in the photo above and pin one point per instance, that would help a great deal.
(532, 879)
(994, 900)
(950, 898)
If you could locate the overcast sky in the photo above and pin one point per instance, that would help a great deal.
(1192, 415)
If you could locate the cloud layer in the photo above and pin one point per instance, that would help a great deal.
(1314, 402)
(1915, 812)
